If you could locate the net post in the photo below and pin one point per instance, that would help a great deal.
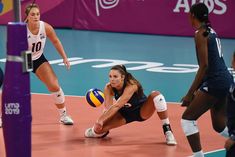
(17, 10)
(16, 97)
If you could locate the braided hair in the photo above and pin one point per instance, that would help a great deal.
(129, 78)
(201, 12)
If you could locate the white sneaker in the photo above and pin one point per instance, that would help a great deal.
(89, 133)
(170, 139)
(66, 120)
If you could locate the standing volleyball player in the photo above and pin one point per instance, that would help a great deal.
(38, 31)
(131, 105)
(211, 84)
(230, 142)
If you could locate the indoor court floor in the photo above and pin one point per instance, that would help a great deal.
(164, 63)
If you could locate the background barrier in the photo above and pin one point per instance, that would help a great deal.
(165, 17)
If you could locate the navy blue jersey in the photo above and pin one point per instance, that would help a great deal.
(217, 75)
(135, 101)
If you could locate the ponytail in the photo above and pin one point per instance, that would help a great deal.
(207, 25)
(201, 12)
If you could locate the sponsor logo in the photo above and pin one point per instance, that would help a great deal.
(127, 105)
(105, 4)
(132, 65)
(217, 7)
(12, 108)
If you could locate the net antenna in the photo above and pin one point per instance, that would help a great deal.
(17, 10)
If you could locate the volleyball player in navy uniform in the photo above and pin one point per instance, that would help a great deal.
(38, 31)
(131, 105)
(211, 84)
(230, 142)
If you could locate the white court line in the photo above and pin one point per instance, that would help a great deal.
(214, 151)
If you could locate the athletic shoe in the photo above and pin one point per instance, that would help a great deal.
(66, 120)
(170, 139)
(89, 133)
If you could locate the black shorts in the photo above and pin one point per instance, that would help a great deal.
(38, 62)
(131, 114)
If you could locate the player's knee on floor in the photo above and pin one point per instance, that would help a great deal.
(160, 103)
(58, 96)
(189, 127)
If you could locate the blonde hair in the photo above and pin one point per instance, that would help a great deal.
(29, 7)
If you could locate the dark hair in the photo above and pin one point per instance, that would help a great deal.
(201, 12)
(128, 78)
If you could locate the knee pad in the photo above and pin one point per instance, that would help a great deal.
(160, 103)
(58, 96)
(189, 127)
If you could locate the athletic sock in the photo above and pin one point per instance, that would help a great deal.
(198, 154)
(62, 111)
(165, 121)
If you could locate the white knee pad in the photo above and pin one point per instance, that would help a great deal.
(160, 103)
(58, 96)
(189, 127)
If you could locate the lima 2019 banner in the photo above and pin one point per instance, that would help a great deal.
(166, 17)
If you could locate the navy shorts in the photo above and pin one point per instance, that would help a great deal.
(38, 62)
(131, 114)
(216, 92)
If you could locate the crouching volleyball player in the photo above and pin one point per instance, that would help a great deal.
(131, 105)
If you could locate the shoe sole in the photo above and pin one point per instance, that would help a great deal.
(172, 144)
(66, 123)
(105, 134)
